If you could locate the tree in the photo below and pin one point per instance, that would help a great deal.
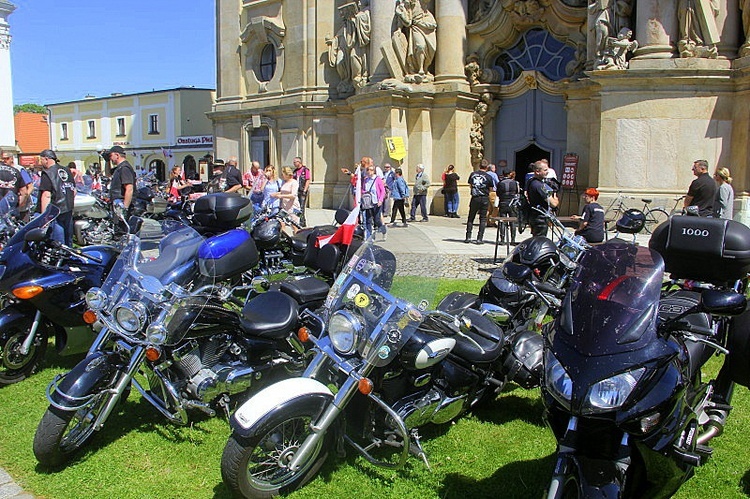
(29, 108)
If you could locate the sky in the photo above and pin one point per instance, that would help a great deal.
(62, 50)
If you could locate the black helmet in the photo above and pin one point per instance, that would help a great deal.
(536, 252)
(631, 222)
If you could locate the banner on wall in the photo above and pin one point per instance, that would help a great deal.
(570, 169)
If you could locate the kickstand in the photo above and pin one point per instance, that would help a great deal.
(416, 448)
(224, 404)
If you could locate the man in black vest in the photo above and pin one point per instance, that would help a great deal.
(57, 187)
(122, 185)
(540, 196)
(481, 184)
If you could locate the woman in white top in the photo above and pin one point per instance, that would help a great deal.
(272, 187)
(288, 194)
(724, 201)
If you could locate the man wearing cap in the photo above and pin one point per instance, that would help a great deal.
(57, 187)
(122, 185)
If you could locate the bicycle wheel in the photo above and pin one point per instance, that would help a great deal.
(655, 218)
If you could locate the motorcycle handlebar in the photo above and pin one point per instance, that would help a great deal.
(549, 288)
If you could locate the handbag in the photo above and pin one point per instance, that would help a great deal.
(367, 201)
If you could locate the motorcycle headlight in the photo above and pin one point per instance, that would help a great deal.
(131, 316)
(557, 379)
(156, 334)
(96, 299)
(611, 393)
(345, 331)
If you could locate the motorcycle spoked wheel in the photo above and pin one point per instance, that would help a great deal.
(254, 467)
(61, 433)
(14, 366)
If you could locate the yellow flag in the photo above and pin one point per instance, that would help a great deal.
(396, 147)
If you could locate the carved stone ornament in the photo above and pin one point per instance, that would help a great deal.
(348, 49)
(525, 12)
(414, 40)
(476, 135)
(259, 32)
(4, 41)
(472, 70)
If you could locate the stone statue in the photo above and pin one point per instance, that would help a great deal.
(472, 70)
(745, 8)
(415, 40)
(617, 50)
(476, 135)
(606, 17)
(699, 34)
(478, 9)
(347, 51)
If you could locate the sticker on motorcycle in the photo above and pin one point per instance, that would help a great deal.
(384, 352)
(361, 300)
(394, 336)
(414, 314)
(352, 292)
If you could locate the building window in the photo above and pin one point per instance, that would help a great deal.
(153, 124)
(536, 50)
(63, 131)
(92, 129)
(267, 62)
(120, 127)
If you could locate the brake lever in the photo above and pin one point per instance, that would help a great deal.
(456, 324)
(705, 341)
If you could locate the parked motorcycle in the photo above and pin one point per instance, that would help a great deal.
(623, 390)
(92, 218)
(170, 310)
(44, 283)
(9, 224)
(382, 368)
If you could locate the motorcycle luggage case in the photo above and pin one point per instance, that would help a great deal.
(267, 233)
(703, 249)
(524, 363)
(222, 210)
(737, 361)
(227, 254)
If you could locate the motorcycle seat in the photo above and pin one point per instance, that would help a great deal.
(305, 290)
(270, 315)
(174, 254)
(485, 333)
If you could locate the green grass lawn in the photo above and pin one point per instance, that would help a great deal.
(504, 450)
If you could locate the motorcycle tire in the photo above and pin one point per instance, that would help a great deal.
(278, 435)
(14, 366)
(61, 433)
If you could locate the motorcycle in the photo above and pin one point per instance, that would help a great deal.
(44, 283)
(92, 218)
(170, 310)
(623, 391)
(382, 368)
(9, 225)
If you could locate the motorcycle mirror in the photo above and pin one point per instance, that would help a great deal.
(497, 314)
(134, 224)
(723, 302)
(35, 235)
(516, 272)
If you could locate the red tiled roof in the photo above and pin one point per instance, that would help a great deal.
(32, 132)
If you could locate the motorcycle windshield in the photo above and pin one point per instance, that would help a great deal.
(360, 300)
(149, 283)
(43, 221)
(612, 302)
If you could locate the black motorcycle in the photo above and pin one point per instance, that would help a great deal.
(382, 368)
(623, 389)
(44, 283)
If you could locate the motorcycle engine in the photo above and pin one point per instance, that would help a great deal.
(206, 377)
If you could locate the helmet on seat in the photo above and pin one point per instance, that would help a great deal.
(631, 222)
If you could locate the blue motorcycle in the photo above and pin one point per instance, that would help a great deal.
(44, 284)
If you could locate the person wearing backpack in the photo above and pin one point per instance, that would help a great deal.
(508, 194)
(399, 194)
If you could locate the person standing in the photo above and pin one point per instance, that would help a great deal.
(389, 176)
(492, 208)
(21, 183)
(480, 183)
(254, 181)
(421, 184)
(371, 202)
(702, 190)
(122, 185)
(57, 187)
(450, 191)
(399, 194)
(724, 202)
(303, 176)
(231, 176)
(271, 187)
(508, 191)
(289, 202)
(591, 221)
(540, 196)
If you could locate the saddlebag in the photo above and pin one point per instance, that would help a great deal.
(222, 211)
(227, 255)
(703, 249)
(738, 343)
(524, 363)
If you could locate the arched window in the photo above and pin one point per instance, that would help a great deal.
(536, 50)
(267, 62)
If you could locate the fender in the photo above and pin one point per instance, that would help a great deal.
(10, 314)
(274, 396)
(93, 372)
(598, 477)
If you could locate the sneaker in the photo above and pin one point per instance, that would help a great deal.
(412, 219)
(424, 220)
(394, 224)
(467, 240)
(478, 241)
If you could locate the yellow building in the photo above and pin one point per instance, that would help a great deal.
(632, 92)
(157, 129)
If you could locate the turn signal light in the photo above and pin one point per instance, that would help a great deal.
(89, 317)
(26, 292)
(365, 386)
(153, 354)
(303, 334)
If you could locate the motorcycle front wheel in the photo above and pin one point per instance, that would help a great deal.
(255, 467)
(14, 365)
(61, 433)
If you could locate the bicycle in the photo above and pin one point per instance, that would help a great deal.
(654, 216)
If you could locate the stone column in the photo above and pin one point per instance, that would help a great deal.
(228, 77)
(450, 16)
(656, 29)
(729, 22)
(7, 128)
(381, 17)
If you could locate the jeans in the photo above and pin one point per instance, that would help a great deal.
(421, 200)
(372, 217)
(451, 202)
(478, 204)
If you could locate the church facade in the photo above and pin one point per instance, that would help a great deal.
(626, 93)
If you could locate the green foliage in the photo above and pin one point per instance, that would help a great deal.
(503, 450)
(29, 108)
